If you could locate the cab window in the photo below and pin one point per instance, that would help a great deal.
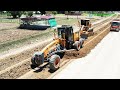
(115, 24)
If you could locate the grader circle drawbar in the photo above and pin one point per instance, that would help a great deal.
(66, 37)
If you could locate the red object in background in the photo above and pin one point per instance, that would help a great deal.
(115, 26)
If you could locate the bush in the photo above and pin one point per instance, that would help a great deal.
(51, 12)
(48, 12)
(54, 12)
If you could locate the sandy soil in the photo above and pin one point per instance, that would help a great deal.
(103, 62)
(20, 56)
(45, 73)
(9, 61)
(14, 34)
(6, 26)
(24, 55)
(8, 34)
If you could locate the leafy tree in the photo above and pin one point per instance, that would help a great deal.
(48, 12)
(43, 12)
(54, 12)
(66, 12)
(30, 13)
(51, 12)
(15, 14)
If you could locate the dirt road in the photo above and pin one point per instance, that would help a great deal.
(13, 38)
(44, 72)
(102, 63)
(15, 64)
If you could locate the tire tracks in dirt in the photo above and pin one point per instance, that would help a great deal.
(19, 69)
(71, 55)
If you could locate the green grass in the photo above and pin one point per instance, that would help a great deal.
(5, 19)
(9, 20)
(104, 15)
(60, 15)
(67, 21)
(59, 20)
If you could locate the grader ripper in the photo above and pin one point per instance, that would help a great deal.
(65, 38)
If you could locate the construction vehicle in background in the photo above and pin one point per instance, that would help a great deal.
(66, 37)
(85, 28)
(115, 25)
(38, 23)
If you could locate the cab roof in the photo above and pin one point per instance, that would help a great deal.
(85, 19)
(116, 21)
(75, 28)
(37, 18)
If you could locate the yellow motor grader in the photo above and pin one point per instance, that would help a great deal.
(66, 37)
(85, 28)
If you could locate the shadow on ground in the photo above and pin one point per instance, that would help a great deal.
(113, 31)
(33, 27)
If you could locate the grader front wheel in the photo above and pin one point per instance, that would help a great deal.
(77, 45)
(34, 64)
(54, 62)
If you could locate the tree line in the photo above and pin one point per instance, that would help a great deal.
(17, 14)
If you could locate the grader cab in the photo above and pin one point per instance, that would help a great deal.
(65, 38)
(86, 29)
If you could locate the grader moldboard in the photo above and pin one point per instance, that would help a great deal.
(66, 37)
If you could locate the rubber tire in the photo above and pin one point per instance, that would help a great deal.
(81, 43)
(33, 62)
(77, 45)
(117, 30)
(52, 62)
